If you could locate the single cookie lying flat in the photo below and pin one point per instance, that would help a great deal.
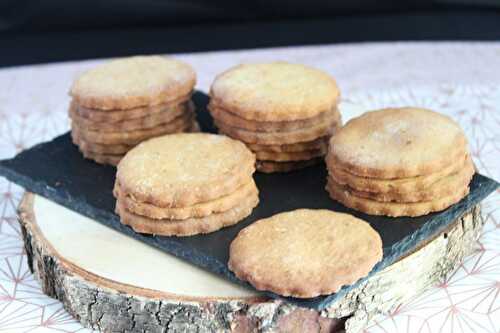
(397, 143)
(133, 82)
(305, 253)
(184, 169)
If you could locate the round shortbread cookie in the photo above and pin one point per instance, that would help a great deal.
(109, 159)
(113, 116)
(234, 120)
(148, 121)
(305, 253)
(320, 143)
(132, 82)
(191, 226)
(272, 166)
(397, 143)
(180, 124)
(278, 138)
(97, 148)
(112, 149)
(444, 187)
(395, 185)
(184, 169)
(341, 193)
(277, 91)
(201, 209)
(392, 186)
(288, 157)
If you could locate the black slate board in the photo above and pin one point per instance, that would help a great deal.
(58, 171)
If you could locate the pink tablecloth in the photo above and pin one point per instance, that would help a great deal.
(459, 79)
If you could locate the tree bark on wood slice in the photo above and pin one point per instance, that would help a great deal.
(113, 283)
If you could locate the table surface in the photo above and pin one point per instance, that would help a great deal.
(458, 79)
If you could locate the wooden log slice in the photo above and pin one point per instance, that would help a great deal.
(113, 283)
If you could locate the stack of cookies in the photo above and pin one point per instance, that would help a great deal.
(285, 113)
(399, 162)
(305, 253)
(185, 184)
(121, 103)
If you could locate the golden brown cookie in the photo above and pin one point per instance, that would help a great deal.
(133, 82)
(343, 195)
(179, 124)
(397, 143)
(278, 138)
(148, 121)
(443, 187)
(320, 143)
(97, 148)
(102, 158)
(288, 157)
(113, 116)
(305, 253)
(234, 120)
(191, 226)
(184, 169)
(396, 185)
(201, 209)
(277, 91)
(272, 166)
(112, 149)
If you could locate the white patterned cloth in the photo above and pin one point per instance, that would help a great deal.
(458, 79)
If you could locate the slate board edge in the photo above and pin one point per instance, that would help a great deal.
(42, 188)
